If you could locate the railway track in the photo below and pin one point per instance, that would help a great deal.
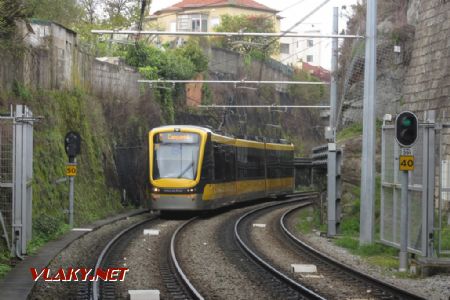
(215, 265)
(108, 257)
(330, 269)
(235, 241)
(290, 288)
(176, 283)
(379, 289)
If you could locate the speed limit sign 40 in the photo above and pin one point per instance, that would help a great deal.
(406, 163)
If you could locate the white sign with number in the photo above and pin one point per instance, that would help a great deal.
(406, 151)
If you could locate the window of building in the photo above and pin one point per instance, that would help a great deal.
(309, 58)
(192, 22)
(284, 48)
(310, 43)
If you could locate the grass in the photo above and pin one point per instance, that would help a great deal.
(355, 130)
(375, 254)
(309, 219)
(304, 189)
(5, 266)
(351, 131)
(41, 238)
(445, 238)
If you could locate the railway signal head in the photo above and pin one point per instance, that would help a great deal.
(406, 128)
(72, 144)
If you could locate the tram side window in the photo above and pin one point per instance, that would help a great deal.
(230, 162)
(271, 163)
(242, 160)
(219, 162)
(208, 162)
(259, 162)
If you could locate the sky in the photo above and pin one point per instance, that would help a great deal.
(297, 9)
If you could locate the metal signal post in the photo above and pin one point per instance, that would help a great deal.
(406, 129)
(72, 145)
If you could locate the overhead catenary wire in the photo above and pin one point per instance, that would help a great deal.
(227, 34)
(234, 81)
(265, 106)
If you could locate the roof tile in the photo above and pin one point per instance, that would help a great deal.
(202, 3)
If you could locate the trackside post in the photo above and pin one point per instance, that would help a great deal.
(406, 129)
(72, 145)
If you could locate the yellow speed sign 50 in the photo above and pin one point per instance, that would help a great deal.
(71, 170)
(406, 163)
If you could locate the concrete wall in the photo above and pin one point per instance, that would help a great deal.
(232, 63)
(427, 81)
(418, 77)
(52, 59)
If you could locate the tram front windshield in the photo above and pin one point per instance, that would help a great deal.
(176, 155)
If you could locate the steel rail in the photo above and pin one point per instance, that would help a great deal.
(367, 278)
(178, 268)
(286, 279)
(95, 287)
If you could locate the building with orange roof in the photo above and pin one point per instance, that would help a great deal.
(204, 15)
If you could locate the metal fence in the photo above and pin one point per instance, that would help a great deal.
(6, 178)
(420, 193)
(16, 172)
(442, 207)
(429, 191)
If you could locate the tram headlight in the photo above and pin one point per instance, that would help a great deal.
(191, 190)
(155, 190)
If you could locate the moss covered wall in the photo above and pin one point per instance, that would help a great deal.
(96, 193)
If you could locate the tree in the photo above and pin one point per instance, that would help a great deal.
(194, 52)
(256, 46)
(122, 13)
(89, 7)
(65, 12)
(10, 12)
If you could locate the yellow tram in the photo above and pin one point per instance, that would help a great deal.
(194, 168)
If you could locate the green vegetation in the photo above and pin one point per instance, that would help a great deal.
(63, 111)
(304, 189)
(309, 219)
(349, 132)
(307, 94)
(154, 63)
(10, 12)
(207, 96)
(46, 229)
(348, 238)
(252, 47)
(445, 236)
(5, 266)
(66, 12)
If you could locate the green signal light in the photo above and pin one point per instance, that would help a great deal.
(406, 122)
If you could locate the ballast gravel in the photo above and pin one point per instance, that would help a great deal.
(210, 270)
(142, 258)
(83, 252)
(435, 287)
(276, 249)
